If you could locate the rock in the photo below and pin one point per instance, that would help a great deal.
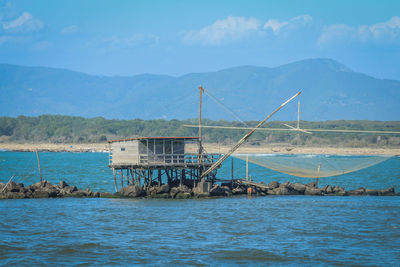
(238, 191)
(387, 192)
(37, 185)
(312, 191)
(63, 184)
(174, 191)
(312, 185)
(371, 192)
(286, 184)
(132, 191)
(163, 195)
(79, 193)
(271, 192)
(184, 189)
(273, 185)
(11, 187)
(183, 195)
(227, 191)
(281, 190)
(163, 189)
(229, 185)
(40, 194)
(95, 194)
(14, 195)
(300, 188)
(216, 190)
(327, 189)
(339, 191)
(72, 189)
(358, 192)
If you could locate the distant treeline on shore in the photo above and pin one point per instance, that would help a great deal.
(70, 129)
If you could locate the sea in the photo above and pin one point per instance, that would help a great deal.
(240, 230)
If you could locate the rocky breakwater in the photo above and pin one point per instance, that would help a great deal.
(311, 189)
(182, 191)
(43, 189)
(238, 188)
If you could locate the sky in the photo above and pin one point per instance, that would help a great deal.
(179, 37)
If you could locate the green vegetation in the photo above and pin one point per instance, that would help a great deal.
(68, 129)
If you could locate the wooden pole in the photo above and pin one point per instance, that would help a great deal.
(115, 181)
(319, 169)
(122, 178)
(201, 90)
(298, 115)
(38, 162)
(232, 171)
(247, 167)
(132, 177)
(244, 138)
(127, 177)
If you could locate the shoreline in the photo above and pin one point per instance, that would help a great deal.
(209, 147)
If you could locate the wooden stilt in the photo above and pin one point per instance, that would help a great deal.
(232, 170)
(316, 179)
(127, 177)
(122, 179)
(115, 181)
(132, 177)
(38, 162)
(247, 167)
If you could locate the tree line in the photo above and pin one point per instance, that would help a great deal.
(71, 129)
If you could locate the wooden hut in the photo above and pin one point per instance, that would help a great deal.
(156, 160)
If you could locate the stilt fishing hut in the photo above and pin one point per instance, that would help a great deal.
(147, 160)
(154, 160)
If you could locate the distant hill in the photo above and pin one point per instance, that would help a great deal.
(330, 91)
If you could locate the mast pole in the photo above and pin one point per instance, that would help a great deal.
(201, 90)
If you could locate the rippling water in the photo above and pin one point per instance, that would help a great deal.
(272, 230)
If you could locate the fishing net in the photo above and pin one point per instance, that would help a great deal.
(313, 166)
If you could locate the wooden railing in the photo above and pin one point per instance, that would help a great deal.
(178, 159)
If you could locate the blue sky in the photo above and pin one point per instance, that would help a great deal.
(179, 37)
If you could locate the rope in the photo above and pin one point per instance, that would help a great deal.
(225, 108)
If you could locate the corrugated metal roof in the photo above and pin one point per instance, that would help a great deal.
(158, 137)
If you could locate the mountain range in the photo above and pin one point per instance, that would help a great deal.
(330, 91)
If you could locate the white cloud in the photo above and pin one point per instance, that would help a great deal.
(224, 30)
(233, 29)
(70, 29)
(24, 23)
(275, 25)
(293, 24)
(388, 31)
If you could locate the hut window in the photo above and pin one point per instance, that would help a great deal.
(178, 147)
(122, 148)
(167, 146)
(151, 146)
(159, 147)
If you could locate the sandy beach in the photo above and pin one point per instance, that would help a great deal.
(210, 148)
